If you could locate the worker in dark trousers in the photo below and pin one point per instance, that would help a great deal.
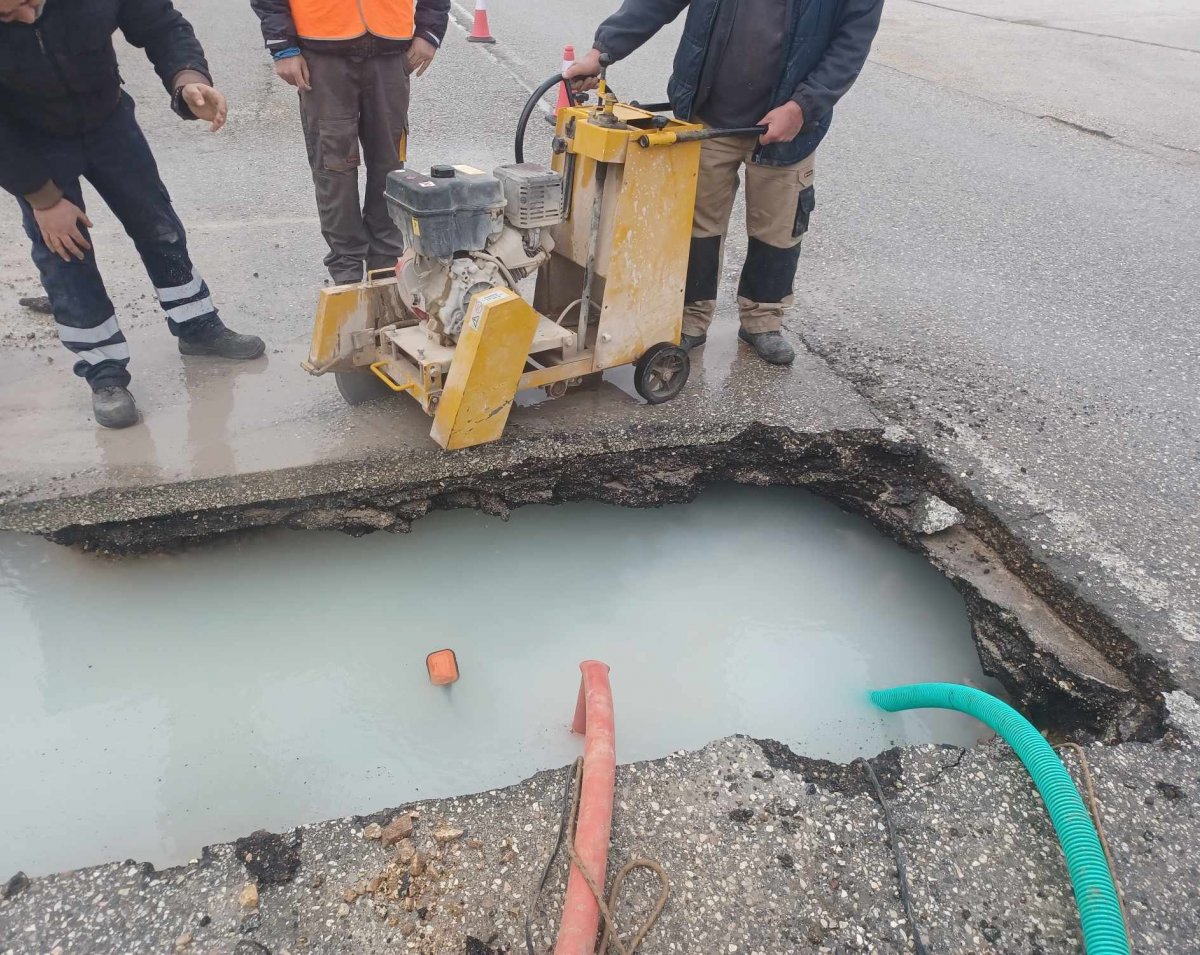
(782, 64)
(352, 60)
(63, 118)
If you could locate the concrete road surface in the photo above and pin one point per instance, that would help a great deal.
(1005, 257)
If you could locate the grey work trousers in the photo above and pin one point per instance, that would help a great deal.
(353, 100)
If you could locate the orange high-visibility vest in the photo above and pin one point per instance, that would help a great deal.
(348, 19)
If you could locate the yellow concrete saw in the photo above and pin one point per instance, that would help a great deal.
(602, 235)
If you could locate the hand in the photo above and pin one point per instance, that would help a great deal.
(206, 103)
(584, 73)
(293, 70)
(60, 229)
(783, 123)
(420, 55)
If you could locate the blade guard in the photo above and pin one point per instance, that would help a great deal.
(343, 310)
(488, 363)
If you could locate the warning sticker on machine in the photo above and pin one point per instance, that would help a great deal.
(483, 301)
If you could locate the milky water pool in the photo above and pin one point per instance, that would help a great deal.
(155, 705)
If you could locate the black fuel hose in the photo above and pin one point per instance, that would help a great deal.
(530, 105)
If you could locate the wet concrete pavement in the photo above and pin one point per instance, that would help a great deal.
(210, 420)
(245, 197)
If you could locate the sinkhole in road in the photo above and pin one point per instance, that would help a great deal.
(155, 705)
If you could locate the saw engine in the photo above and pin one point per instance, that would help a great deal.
(466, 232)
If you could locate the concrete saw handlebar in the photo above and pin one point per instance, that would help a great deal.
(668, 137)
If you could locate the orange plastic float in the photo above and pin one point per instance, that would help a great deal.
(443, 667)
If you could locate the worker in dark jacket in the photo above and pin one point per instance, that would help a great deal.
(782, 64)
(64, 117)
(351, 61)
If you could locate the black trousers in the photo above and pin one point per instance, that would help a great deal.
(117, 161)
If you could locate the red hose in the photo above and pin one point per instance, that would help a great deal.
(593, 718)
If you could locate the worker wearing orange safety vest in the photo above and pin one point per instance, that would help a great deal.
(351, 61)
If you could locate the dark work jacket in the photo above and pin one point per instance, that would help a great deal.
(430, 19)
(59, 76)
(826, 47)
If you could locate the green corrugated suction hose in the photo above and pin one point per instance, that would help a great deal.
(1095, 894)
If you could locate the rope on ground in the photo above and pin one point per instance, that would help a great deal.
(569, 806)
(898, 855)
(610, 941)
(1094, 809)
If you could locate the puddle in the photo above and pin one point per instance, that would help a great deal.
(156, 705)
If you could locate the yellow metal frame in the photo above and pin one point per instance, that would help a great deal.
(640, 264)
(646, 226)
(377, 370)
(419, 381)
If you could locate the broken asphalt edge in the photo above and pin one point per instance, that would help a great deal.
(1060, 658)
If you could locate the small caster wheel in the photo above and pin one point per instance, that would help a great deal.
(556, 389)
(661, 373)
(359, 387)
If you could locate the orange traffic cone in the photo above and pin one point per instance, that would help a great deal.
(564, 94)
(480, 31)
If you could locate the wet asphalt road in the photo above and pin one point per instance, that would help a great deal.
(1022, 292)
(1019, 291)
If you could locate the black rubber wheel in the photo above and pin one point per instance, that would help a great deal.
(359, 387)
(661, 373)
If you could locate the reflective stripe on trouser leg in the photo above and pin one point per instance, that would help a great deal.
(101, 350)
(778, 202)
(189, 307)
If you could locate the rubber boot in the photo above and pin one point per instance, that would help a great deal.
(114, 407)
(688, 342)
(223, 343)
(770, 346)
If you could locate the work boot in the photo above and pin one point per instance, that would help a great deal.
(688, 342)
(223, 343)
(113, 406)
(771, 346)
